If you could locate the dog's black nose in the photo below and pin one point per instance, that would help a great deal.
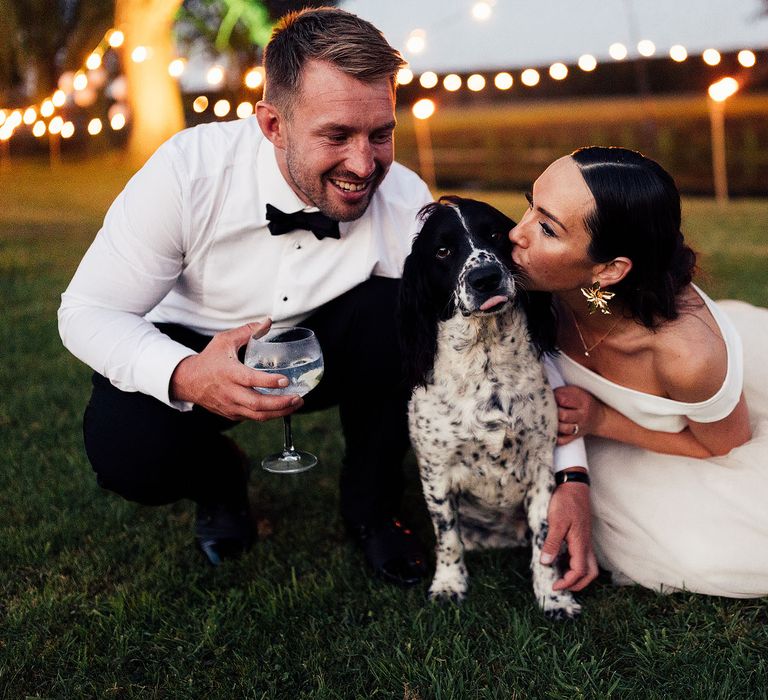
(486, 278)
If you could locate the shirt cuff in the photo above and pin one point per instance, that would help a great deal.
(154, 368)
(574, 454)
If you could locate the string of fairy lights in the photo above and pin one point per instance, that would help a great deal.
(79, 88)
(530, 77)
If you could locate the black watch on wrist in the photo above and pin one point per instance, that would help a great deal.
(565, 476)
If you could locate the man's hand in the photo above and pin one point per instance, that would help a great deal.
(569, 520)
(216, 379)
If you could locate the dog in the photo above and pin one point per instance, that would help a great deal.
(482, 416)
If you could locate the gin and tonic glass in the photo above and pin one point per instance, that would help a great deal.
(295, 353)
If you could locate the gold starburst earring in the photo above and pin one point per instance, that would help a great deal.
(597, 299)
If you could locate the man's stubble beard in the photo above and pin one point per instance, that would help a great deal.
(315, 192)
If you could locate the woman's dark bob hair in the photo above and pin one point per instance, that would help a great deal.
(637, 215)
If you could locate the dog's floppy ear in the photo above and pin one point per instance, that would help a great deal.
(418, 323)
(542, 320)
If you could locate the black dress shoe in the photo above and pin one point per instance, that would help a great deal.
(223, 532)
(392, 550)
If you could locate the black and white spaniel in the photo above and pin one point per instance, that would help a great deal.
(482, 418)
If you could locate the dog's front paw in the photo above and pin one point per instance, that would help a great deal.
(449, 588)
(560, 605)
(446, 595)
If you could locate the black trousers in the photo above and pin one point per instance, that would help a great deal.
(151, 453)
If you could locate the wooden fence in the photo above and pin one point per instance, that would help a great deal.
(507, 147)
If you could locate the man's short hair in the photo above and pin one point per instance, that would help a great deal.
(352, 45)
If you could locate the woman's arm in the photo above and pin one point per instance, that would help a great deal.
(723, 435)
(701, 440)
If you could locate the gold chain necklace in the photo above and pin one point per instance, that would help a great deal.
(590, 348)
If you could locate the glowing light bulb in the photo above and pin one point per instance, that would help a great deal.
(80, 81)
(244, 109)
(428, 80)
(587, 62)
(14, 120)
(221, 108)
(558, 71)
(30, 114)
(646, 48)
(503, 81)
(200, 104)
(94, 126)
(404, 76)
(215, 75)
(118, 121)
(54, 126)
(530, 77)
(617, 51)
(93, 61)
(116, 38)
(140, 54)
(67, 129)
(452, 82)
(678, 53)
(254, 78)
(723, 89)
(176, 67)
(711, 57)
(58, 98)
(475, 82)
(46, 109)
(39, 129)
(423, 109)
(482, 10)
(747, 58)
(417, 41)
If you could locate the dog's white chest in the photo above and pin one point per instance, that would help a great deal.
(487, 421)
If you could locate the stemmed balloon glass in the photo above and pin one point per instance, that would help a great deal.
(295, 353)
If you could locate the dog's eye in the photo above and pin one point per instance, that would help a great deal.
(495, 235)
(442, 253)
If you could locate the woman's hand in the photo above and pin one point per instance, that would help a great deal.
(578, 414)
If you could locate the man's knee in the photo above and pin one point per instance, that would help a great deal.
(132, 465)
(141, 448)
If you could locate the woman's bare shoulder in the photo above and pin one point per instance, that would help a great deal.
(690, 353)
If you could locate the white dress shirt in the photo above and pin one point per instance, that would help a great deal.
(187, 242)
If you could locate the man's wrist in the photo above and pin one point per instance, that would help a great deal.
(178, 382)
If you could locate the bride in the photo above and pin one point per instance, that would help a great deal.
(675, 413)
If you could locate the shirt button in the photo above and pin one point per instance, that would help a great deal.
(298, 246)
(285, 298)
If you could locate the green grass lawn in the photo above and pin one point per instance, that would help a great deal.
(100, 598)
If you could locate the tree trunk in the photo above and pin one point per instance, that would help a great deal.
(153, 95)
(40, 79)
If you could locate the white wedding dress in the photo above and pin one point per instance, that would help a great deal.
(668, 522)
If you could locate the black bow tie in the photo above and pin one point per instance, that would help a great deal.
(317, 222)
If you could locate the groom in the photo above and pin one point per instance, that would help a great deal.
(299, 216)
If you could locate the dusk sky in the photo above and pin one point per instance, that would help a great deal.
(536, 32)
